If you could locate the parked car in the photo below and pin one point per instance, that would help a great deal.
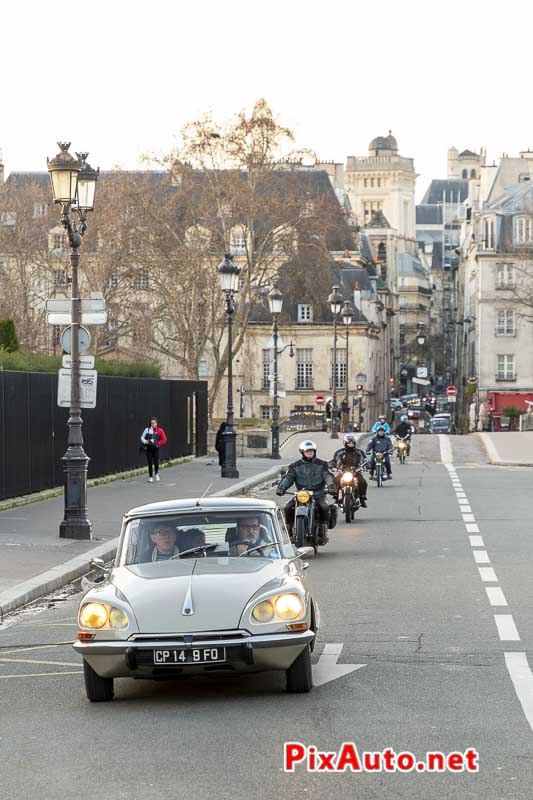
(199, 586)
(441, 423)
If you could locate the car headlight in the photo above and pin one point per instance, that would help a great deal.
(303, 496)
(101, 615)
(346, 477)
(283, 607)
(118, 618)
(94, 615)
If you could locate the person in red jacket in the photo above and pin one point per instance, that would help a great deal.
(153, 437)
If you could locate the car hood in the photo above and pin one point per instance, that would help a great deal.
(216, 589)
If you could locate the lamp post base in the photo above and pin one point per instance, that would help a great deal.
(75, 524)
(229, 467)
(229, 472)
(75, 529)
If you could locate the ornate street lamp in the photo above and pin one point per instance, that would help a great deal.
(335, 302)
(275, 302)
(229, 281)
(347, 318)
(73, 184)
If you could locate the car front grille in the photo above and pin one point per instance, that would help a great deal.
(190, 638)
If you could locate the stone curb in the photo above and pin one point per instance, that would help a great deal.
(47, 494)
(56, 577)
(494, 457)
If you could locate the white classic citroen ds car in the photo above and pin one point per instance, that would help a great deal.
(203, 586)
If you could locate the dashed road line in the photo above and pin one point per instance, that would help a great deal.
(522, 679)
(42, 674)
(507, 630)
(476, 541)
(496, 596)
(487, 575)
(481, 556)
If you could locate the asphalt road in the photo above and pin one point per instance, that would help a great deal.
(401, 589)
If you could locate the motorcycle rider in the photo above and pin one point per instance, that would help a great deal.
(381, 423)
(350, 456)
(380, 443)
(311, 473)
(404, 431)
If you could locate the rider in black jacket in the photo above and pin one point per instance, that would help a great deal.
(404, 431)
(380, 443)
(350, 456)
(313, 474)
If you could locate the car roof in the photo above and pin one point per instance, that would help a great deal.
(442, 416)
(204, 503)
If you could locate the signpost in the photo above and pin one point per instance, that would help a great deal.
(88, 380)
(422, 372)
(319, 400)
(421, 381)
(451, 391)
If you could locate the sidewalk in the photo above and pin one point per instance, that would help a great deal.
(509, 449)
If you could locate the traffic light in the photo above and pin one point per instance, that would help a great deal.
(392, 381)
(360, 387)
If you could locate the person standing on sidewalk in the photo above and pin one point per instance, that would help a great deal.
(153, 437)
(220, 444)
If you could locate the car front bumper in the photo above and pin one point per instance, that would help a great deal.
(244, 653)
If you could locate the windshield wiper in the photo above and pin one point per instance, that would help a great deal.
(203, 547)
(257, 547)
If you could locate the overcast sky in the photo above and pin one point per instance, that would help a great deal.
(121, 77)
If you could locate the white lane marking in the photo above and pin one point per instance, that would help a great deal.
(445, 448)
(476, 541)
(36, 661)
(487, 574)
(522, 679)
(460, 495)
(327, 669)
(496, 596)
(506, 628)
(469, 518)
(465, 509)
(481, 557)
(471, 527)
(34, 647)
(43, 674)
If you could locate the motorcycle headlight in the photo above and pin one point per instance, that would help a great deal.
(379, 456)
(401, 446)
(346, 477)
(282, 608)
(303, 496)
(93, 615)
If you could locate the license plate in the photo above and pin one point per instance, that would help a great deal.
(198, 655)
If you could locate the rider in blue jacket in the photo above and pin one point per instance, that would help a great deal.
(381, 423)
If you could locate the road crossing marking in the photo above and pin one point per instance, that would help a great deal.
(476, 541)
(522, 678)
(487, 574)
(507, 630)
(481, 557)
(496, 596)
(471, 527)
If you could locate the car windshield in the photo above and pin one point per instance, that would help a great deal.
(202, 535)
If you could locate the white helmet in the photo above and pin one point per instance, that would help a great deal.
(307, 444)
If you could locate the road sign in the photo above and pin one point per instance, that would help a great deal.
(360, 377)
(84, 339)
(452, 398)
(88, 380)
(86, 362)
(451, 391)
(281, 392)
(421, 372)
(421, 381)
(319, 400)
(87, 318)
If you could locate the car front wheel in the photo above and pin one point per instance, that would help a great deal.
(299, 675)
(98, 689)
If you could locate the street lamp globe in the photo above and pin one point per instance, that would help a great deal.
(86, 184)
(275, 300)
(64, 170)
(421, 339)
(335, 301)
(347, 313)
(228, 275)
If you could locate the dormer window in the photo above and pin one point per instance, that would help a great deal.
(39, 210)
(237, 241)
(488, 234)
(305, 312)
(523, 230)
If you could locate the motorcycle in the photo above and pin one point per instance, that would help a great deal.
(308, 529)
(380, 467)
(348, 494)
(402, 445)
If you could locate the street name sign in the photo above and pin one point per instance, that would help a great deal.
(360, 377)
(421, 381)
(452, 398)
(87, 317)
(88, 380)
(86, 362)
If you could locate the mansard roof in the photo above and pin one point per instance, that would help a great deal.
(517, 199)
(429, 214)
(448, 189)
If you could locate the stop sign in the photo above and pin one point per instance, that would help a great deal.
(451, 391)
(319, 400)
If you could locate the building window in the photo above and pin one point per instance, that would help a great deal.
(265, 412)
(59, 242)
(60, 277)
(39, 210)
(112, 281)
(488, 234)
(141, 280)
(523, 230)
(504, 276)
(341, 369)
(268, 357)
(304, 368)
(505, 322)
(506, 368)
(472, 173)
(366, 183)
(237, 241)
(465, 174)
(305, 313)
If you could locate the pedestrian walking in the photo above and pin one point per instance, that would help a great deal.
(153, 437)
(329, 411)
(344, 413)
(220, 444)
